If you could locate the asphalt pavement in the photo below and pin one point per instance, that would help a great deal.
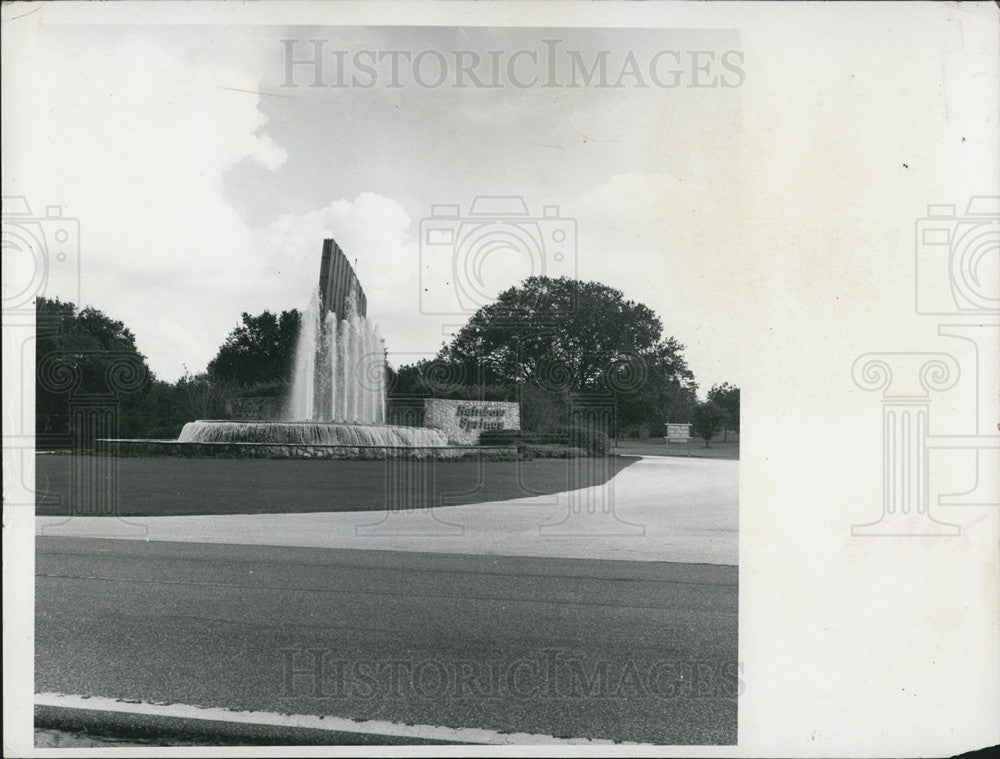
(565, 647)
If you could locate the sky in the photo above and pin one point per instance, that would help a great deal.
(743, 163)
(205, 178)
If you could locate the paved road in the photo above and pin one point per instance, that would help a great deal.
(638, 651)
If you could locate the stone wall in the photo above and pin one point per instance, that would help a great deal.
(298, 451)
(463, 421)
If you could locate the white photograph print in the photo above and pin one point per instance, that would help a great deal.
(567, 378)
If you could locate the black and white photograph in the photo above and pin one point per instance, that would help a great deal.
(372, 378)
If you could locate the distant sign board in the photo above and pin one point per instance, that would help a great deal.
(678, 433)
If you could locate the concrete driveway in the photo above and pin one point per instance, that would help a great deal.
(659, 509)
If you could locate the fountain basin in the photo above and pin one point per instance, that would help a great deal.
(305, 440)
(175, 449)
(312, 433)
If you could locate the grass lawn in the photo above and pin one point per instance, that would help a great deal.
(177, 486)
(657, 446)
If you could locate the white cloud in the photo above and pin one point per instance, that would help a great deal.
(372, 230)
(670, 245)
(134, 140)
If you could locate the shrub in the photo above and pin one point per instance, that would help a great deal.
(706, 421)
(594, 441)
(548, 451)
(522, 437)
(499, 437)
(543, 410)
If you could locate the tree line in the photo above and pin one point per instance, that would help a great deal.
(552, 344)
(83, 356)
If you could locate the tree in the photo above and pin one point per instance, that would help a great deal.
(261, 349)
(570, 338)
(83, 353)
(439, 379)
(705, 421)
(727, 398)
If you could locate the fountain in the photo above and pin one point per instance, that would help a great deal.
(339, 367)
(336, 407)
(338, 391)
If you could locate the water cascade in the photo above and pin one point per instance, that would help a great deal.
(339, 371)
(312, 433)
(337, 395)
